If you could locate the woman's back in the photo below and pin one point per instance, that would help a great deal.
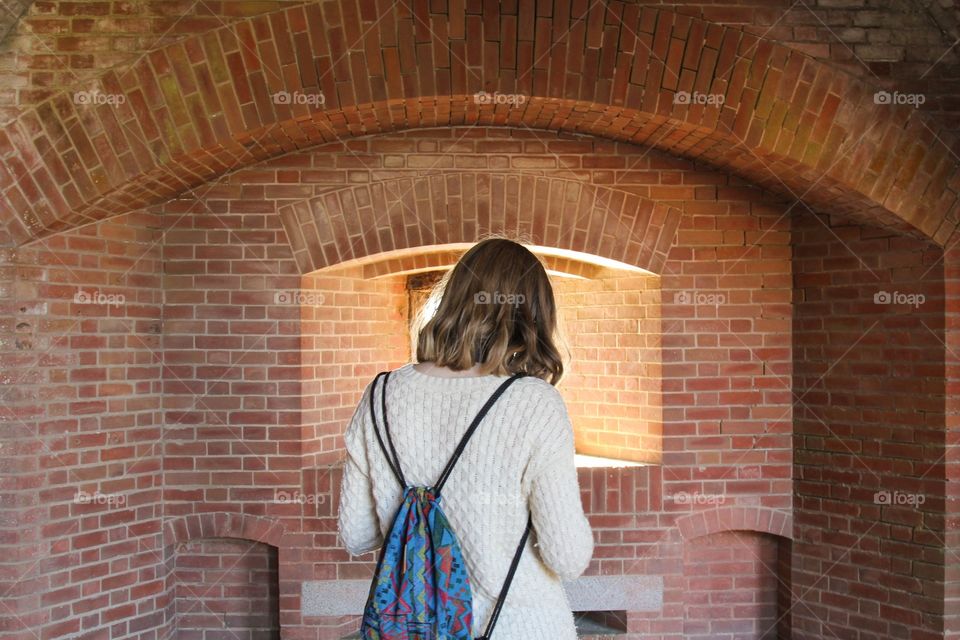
(519, 461)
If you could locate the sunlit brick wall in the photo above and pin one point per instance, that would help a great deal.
(611, 341)
(353, 328)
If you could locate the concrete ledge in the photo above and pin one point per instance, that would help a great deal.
(587, 593)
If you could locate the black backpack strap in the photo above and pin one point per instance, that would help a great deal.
(473, 427)
(394, 462)
(506, 583)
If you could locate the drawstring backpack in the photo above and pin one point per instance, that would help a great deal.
(420, 589)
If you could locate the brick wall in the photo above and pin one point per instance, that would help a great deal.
(868, 433)
(726, 318)
(207, 105)
(232, 354)
(951, 459)
(352, 329)
(82, 428)
(61, 44)
(727, 370)
(611, 345)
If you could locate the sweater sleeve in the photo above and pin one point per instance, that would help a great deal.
(357, 522)
(564, 536)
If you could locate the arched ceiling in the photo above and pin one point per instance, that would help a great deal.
(206, 105)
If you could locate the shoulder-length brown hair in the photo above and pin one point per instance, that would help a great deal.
(497, 310)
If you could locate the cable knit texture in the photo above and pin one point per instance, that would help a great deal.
(520, 459)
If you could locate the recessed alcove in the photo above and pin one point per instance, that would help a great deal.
(226, 588)
(608, 335)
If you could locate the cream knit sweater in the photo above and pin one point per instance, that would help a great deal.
(520, 458)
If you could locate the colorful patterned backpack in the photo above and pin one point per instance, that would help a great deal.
(420, 589)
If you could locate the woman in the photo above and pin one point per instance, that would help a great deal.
(496, 317)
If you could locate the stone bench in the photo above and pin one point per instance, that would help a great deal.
(586, 594)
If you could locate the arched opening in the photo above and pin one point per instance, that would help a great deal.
(733, 586)
(609, 335)
(226, 587)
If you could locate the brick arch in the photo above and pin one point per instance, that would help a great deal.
(355, 222)
(200, 107)
(736, 518)
(423, 259)
(222, 525)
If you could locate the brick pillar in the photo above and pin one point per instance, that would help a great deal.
(21, 613)
(951, 622)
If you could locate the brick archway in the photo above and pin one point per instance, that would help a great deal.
(736, 518)
(222, 525)
(198, 108)
(356, 222)
(442, 258)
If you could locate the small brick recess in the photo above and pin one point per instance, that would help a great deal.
(226, 588)
(732, 585)
(198, 280)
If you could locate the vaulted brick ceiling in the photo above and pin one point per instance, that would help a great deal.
(203, 106)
